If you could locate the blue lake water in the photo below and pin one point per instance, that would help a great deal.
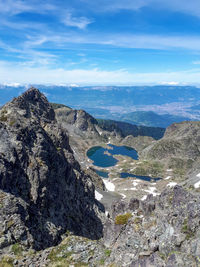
(146, 178)
(102, 173)
(100, 159)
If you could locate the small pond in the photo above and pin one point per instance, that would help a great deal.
(102, 173)
(146, 178)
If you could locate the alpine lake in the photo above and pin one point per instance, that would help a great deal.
(106, 157)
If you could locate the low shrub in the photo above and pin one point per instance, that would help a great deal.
(123, 218)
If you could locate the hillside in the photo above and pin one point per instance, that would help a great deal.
(179, 148)
(130, 129)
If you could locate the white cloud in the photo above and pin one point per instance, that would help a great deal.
(170, 83)
(79, 22)
(14, 73)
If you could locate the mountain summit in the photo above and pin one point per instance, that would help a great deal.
(43, 190)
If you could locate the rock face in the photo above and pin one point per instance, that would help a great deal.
(43, 191)
(163, 231)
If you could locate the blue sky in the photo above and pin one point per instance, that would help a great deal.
(100, 41)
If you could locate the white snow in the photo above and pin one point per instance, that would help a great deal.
(98, 196)
(144, 197)
(151, 191)
(198, 175)
(197, 185)
(124, 196)
(133, 188)
(106, 213)
(168, 177)
(171, 184)
(109, 186)
(169, 170)
(135, 183)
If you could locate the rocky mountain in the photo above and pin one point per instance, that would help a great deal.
(161, 231)
(179, 149)
(49, 214)
(43, 190)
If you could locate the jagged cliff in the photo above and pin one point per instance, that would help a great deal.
(43, 191)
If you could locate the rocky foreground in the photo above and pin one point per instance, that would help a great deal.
(49, 215)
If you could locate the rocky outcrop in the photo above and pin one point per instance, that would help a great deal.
(179, 149)
(180, 140)
(43, 191)
(80, 119)
(161, 231)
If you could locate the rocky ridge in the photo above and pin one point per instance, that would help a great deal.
(43, 190)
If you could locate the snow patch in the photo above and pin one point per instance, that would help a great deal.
(151, 190)
(98, 196)
(144, 197)
(197, 185)
(123, 196)
(168, 177)
(135, 183)
(171, 184)
(198, 175)
(109, 186)
(169, 170)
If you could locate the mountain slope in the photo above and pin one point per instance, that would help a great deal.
(43, 190)
(179, 149)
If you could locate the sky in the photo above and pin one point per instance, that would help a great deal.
(103, 42)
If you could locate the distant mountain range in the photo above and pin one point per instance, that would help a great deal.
(141, 105)
(151, 119)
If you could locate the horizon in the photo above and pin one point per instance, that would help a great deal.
(106, 43)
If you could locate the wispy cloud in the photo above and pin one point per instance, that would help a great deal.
(14, 7)
(191, 7)
(79, 22)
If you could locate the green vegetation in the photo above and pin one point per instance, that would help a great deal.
(17, 249)
(3, 118)
(107, 252)
(12, 122)
(6, 262)
(186, 230)
(123, 218)
(153, 168)
(180, 166)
